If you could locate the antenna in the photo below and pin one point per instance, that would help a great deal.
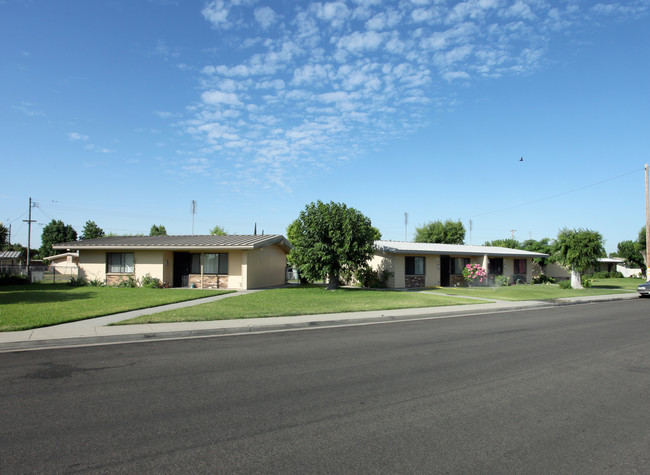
(513, 233)
(406, 222)
(470, 232)
(193, 213)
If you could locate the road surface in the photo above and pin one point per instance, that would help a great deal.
(559, 390)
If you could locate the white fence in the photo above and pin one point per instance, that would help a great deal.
(45, 274)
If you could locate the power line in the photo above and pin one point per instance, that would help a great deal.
(556, 195)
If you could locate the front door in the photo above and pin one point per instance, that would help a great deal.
(182, 265)
(445, 271)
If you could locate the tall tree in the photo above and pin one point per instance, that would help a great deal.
(632, 252)
(330, 240)
(449, 232)
(54, 233)
(543, 245)
(509, 243)
(157, 230)
(219, 231)
(579, 250)
(92, 231)
(4, 233)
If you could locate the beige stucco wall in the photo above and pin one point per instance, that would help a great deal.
(235, 269)
(381, 262)
(265, 267)
(149, 262)
(92, 265)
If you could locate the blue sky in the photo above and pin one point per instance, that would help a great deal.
(125, 111)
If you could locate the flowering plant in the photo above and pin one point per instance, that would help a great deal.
(474, 274)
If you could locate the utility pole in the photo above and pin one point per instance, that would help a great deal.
(470, 232)
(647, 224)
(29, 238)
(513, 230)
(193, 213)
(406, 222)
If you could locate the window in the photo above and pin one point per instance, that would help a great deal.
(495, 266)
(119, 262)
(458, 264)
(414, 265)
(520, 266)
(212, 263)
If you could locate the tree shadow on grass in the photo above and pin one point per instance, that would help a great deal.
(27, 295)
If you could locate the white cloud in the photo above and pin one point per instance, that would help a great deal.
(265, 16)
(216, 13)
(29, 109)
(332, 79)
(220, 97)
(74, 136)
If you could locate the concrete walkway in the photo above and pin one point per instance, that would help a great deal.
(95, 331)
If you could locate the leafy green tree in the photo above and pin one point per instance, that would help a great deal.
(219, 231)
(376, 233)
(543, 245)
(509, 243)
(157, 230)
(92, 231)
(578, 250)
(330, 240)
(449, 232)
(4, 233)
(54, 233)
(632, 252)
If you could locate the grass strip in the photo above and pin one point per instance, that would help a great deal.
(517, 293)
(38, 305)
(304, 300)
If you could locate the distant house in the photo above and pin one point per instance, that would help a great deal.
(66, 263)
(10, 258)
(415, 264)
(605, 264)
(227, 262)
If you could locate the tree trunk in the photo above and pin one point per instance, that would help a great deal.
(333, 281)
(576, 279)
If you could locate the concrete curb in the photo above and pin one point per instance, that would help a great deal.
(170, 331)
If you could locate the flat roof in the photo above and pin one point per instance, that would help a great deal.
(403, 247)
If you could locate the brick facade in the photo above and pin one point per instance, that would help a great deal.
(414, 281)
(115, 279)
(210, 281)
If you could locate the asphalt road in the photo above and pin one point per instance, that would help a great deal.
(561, 390)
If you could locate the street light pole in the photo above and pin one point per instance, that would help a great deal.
(647, 224)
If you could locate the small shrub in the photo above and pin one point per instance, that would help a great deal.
(95, 283)
(565, 284)
(475, 275)
(77, 282)
(586, 282)
(502, 280)
(543, 279)
(13, 279)
(129, 283)
(151, 282)
(370, 278)
(607, 275)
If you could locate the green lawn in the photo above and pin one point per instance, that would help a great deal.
(307, 300)
(543, 292)
(30, 306)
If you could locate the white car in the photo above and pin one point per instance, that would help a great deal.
(644, 289)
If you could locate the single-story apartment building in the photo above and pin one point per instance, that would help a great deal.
(226, 262)
(413, 264)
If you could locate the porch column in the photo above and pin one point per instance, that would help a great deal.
(486, 262)
(201, 261)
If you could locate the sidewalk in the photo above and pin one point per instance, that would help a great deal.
(95, 331)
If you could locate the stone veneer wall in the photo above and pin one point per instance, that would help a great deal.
(457, 281)
(210, 281)
(115, 279)
(414, 281)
